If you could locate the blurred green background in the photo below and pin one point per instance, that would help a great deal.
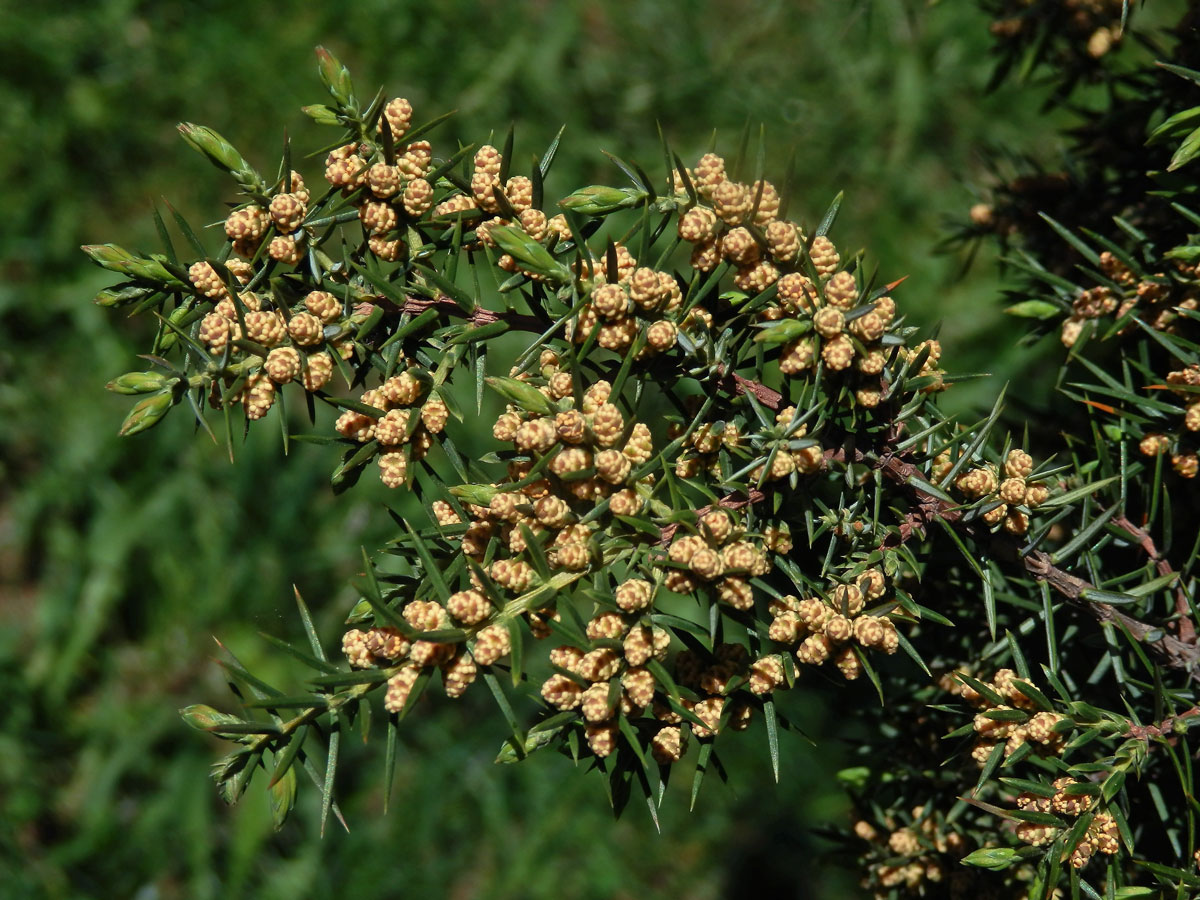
(120, 559)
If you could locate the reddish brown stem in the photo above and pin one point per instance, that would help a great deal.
(768, 397)
(1185, 627)
(478, 317)
(1164, 728)
(728, 502)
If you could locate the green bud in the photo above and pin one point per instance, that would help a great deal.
(110, 256)
(1113, 432)
(994, 858)
(118, 259)
(1033, 309)
(137, 383)
(784, 331)
(855, 777)
(204, 718)
(221, 154)
(535, 741)
(1188, 150)
(735, 298)
(146, 413)
(155, 269)
(229, 766)
(528, 253)
(482, 333)
(232, 775)
(231, 790)
(178, 321)
(336, 78)
(321, 114)
(283, 797)
(1188, 253)
(599, 200)
(478, 494)
(122, 295)
(362, 612)
(1175, 127)
(523, 395)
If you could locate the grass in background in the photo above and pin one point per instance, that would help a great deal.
(119, 559)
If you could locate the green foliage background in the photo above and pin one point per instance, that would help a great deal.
(120, 559)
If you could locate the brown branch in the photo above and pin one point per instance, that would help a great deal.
(727, 502)
(1173, 652)
(1163, 728)
(477, 318)
(768, 397)
(734, 383)
(1038, 564)
(1186, 628)
(929, 508)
